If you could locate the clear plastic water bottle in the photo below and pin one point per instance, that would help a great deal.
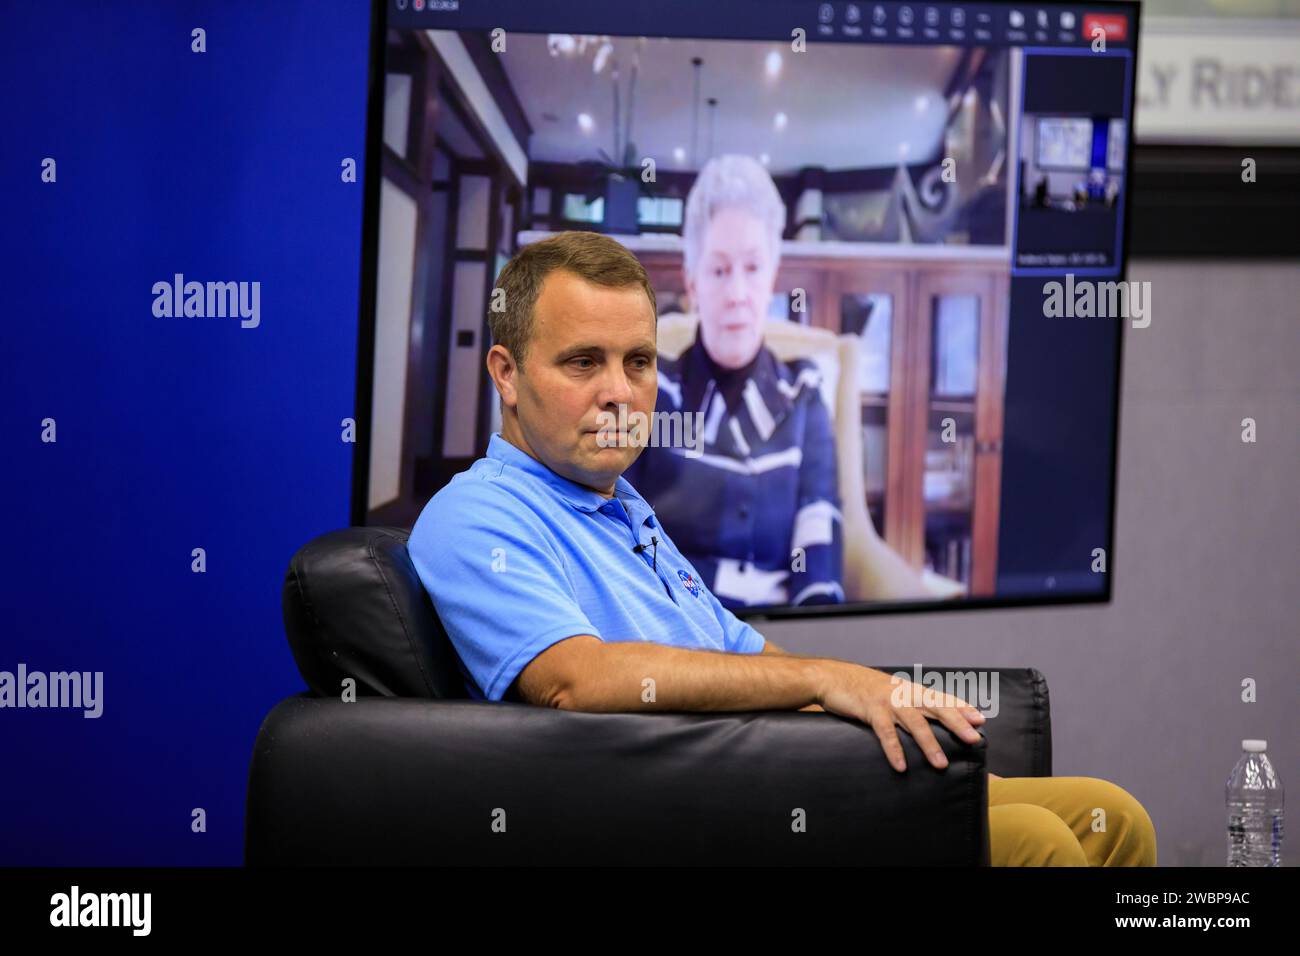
(1255, 803)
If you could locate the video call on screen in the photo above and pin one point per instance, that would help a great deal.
(912, 178)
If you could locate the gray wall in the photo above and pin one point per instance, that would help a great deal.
(1146, 691)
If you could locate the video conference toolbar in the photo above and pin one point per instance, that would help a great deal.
(954, 24)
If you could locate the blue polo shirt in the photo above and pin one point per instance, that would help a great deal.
(517, 558)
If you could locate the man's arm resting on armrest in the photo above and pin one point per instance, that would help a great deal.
(585, 673)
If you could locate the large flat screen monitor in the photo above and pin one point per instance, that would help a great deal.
(919, 209)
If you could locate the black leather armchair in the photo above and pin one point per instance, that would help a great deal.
(412, 772)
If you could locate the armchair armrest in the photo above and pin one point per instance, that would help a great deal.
(1016, 703)
(411, 781)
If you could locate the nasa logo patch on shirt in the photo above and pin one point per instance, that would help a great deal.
(692, 585)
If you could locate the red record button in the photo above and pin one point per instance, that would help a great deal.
(1114, 26)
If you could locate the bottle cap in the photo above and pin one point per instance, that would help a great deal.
(1254, 746)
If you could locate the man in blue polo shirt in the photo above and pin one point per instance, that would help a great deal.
(559, 587)
(542, 540)
(519, 557)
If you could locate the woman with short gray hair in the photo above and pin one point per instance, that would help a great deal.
(757, 513)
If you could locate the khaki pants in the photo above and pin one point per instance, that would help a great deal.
(1067, 821)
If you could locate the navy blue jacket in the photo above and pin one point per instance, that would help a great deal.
(757, 513)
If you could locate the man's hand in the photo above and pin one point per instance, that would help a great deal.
(882, 700)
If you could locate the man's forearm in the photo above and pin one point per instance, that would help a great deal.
(635, 676)
(771, 648)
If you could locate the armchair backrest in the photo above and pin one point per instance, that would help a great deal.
(355, 607)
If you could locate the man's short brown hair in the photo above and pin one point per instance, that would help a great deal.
(589, 255)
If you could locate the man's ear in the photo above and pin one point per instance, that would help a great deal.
(504, 370)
